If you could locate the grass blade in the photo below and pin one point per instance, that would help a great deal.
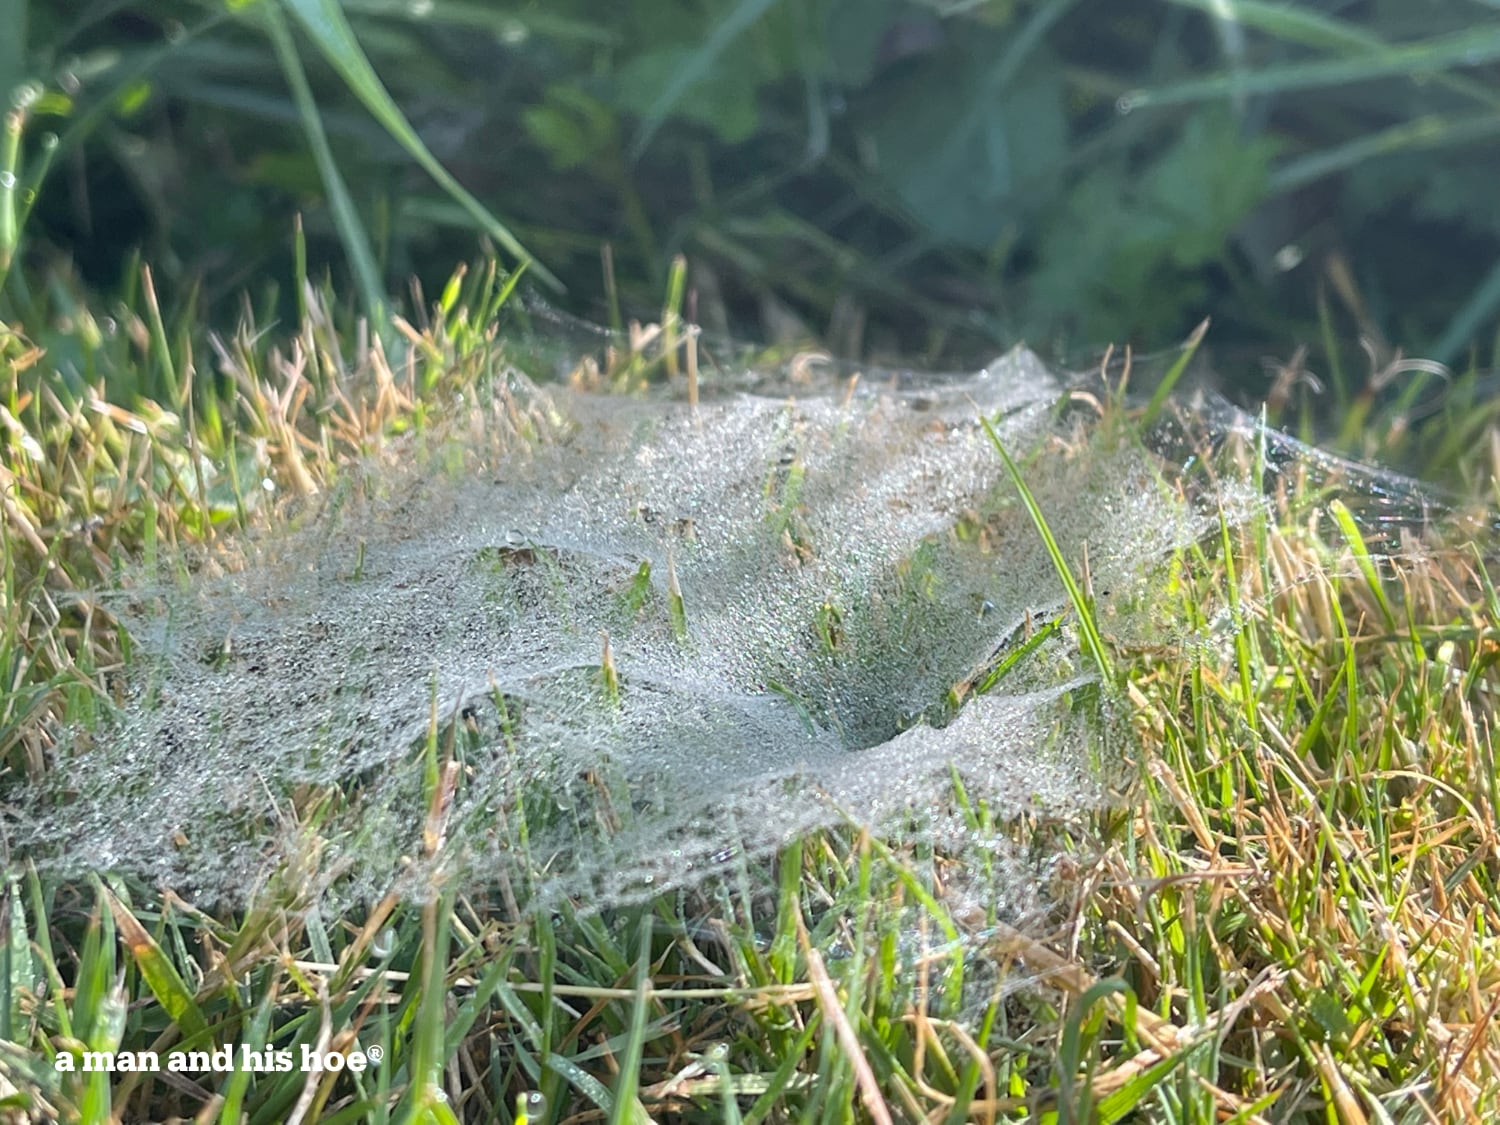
(345, 215)
(1174, 373)
(1427, 132)
(10, 159)
(327, 27)
(161, 976)
(1424, 58)
(15, 949)
(698, 64)
(1093, 643)
(1291, 23)
(627, 1108)
(1295, 24)
(1362, 558)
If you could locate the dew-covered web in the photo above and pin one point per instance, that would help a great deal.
(807, 583)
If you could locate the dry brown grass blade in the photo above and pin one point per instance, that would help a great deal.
(848, 1038)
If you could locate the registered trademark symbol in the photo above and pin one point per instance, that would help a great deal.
(375, 1052)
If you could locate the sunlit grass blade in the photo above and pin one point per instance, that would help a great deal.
(1356, 541)
(671, 314)
(345, 215)
(1093, 643)
(326, 25)
(726, 30)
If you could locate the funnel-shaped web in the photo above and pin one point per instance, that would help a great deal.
(804, 585)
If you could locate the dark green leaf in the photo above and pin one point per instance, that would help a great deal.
(694, 65)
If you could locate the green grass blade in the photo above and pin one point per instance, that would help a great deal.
(671, 313)
(161, 976)
(326, 25)
(734, 24)
(429, 1102)
(18, 966)
(1362, 558)
(1174, 373)
(239, 1079)
(1294, 23)
(39, 916)
(1017, 655)
(10, 160)
(627, 1108)
(1422, 133)
(1093, 643)
(1074, 1098)
(1119, 1104)
(1423, 58)
(96, 968)
(345, 216)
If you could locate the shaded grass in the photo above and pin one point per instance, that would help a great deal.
(1290, 915)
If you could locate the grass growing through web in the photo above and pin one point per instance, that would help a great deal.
(1290, 916)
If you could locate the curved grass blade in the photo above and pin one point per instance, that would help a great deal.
(1074, 1098)
(1293, 23)
(1425, 58)
(345, 216)
(1093, 643)
(326, 26)
(1426, 132)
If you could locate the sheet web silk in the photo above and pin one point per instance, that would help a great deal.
(850, 563)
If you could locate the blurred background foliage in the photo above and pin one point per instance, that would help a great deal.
(928, 178)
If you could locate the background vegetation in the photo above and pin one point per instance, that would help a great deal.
(923, 177)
